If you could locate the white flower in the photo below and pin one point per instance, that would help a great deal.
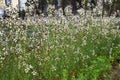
(30, 66)
(1, 33)
(27, 70)
(34, 73)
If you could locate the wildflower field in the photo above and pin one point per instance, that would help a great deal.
(82, 49)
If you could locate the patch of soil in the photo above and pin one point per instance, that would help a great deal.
(115, 72)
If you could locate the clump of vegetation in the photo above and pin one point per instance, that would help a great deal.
(58, 51)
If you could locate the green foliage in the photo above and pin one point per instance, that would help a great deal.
(65, 75)
(58, 52)
(97, 67)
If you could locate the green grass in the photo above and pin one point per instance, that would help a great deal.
(58, 52)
